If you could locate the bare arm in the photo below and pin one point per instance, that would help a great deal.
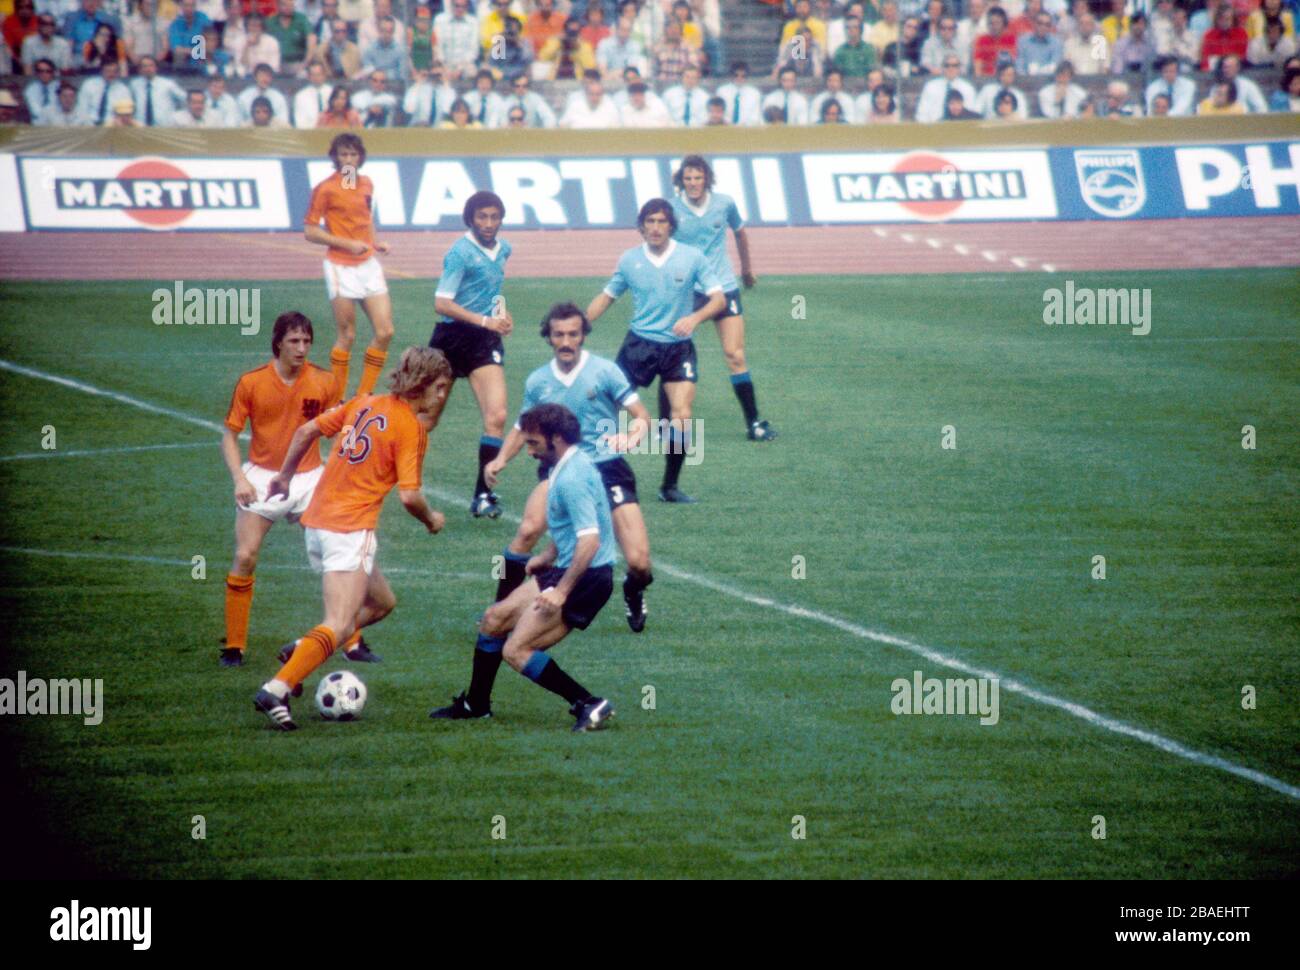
(319, 236)
(448, 307)
(542, 560)
(303, 439)
(636, 430)
(599, 305)
(747, 276)
(245, 494)
(687, 324)
(509, 448)
(414, 502)
(552, 599)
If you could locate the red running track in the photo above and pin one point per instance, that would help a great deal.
(937, 248)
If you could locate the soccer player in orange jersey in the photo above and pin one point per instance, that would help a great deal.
(382, 444)
(276, 398)
(352, 271)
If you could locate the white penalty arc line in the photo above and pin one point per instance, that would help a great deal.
(930, 654)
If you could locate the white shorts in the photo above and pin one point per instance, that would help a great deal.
(341, 552)
(301, 487)
(355, 282)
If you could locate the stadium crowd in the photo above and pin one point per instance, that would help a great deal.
(634, 63)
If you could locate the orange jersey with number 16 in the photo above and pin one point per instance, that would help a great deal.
(343, 202)
(380, 444)
(276, 410)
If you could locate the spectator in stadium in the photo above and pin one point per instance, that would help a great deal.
(1004, 107)
(885, 30)
(512, 55)
(687, 102)
(1162, 22)
(831, 114)
(98, 94)
(458, 45)
(143, 33)
(1268, 11)
(955, 108)
(708, 15)
(1133, 52)
(18, 26)
(516, 118)
(459, 117)
(986, 104)
(1181, 41)
(157, 99)
(371, 29)
(1023, 22)
(196, 113)
(537, 112)
(855, 57)
(1039, 50)
(386, 54)
(217, 59)
(620, 50)
(41, 92)
(1062, 98)
(340, 56)
(935, 11)
(743, 102)
(261, 88)
(292, 31)
(904, 55)
(717, 117)
(570, 57)
(642, 112)
(837, 28)
(594, 27)
(354, 12)
(1272, 49)
(875, 81)
(932, 104)
(1248, 92)
(803, 17)
(990, 47)
(187, 26)
(972, 25)
(221, 104)
(1287, 96)
(1223, 39)
(493, 23)
(544, 23)
(339, 112)
(773, 115)
(1203, 19)
(259, 48)
(1117, 104)
(428, 101)
(234, 35)
(672, 56)
(311, 100)
(123, 115)
(803, 54)
(102, 47)
(262, 115)
(62, 112)
(591, 107)
(1222, 100)
(322, 28)
(485, 105)
(793, 105)
(692, 34)
(81, 25)
(834, 92)
(1180, 91)
(8, 108)
(1116, 23)
(1087, 50)
(375, 103)
(942, 43)
(1158, 106)
(884, 108)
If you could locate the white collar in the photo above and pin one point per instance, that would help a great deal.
(698, 210)
(658, 261)
(568, 379)
(490, 253)
(560, 464)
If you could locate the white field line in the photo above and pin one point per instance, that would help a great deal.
(930, 654)
(91, 452)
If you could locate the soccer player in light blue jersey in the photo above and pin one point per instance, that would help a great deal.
(703, 217)
(568, 584)
(663, 276)
(474, 319)
(597, 391)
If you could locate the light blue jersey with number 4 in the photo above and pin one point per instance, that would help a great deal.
(663, 287)
(706, 230)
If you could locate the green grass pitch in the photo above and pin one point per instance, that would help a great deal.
(1071, 443)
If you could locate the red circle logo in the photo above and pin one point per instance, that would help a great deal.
(154, 171)
(931, 164)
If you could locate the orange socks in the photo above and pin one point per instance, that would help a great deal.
(239, 601)
(370, 372)
(339, 368)
(313, 650)
(351, 641)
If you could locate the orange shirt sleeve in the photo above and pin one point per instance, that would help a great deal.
(331, 422)
(240, 406)
(410, 455)
(319, 203)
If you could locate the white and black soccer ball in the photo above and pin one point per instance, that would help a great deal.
(341, 696)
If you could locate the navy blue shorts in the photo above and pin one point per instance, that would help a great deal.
(732, 308)
(587, 597)
(467, 347)
(643, 360)
(617, 474)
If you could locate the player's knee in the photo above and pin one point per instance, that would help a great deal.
(344, 338)
(245, 561)
(515, 654)
(637, 556)
(493, 622)
(383, 334)
(494, 420)
(383, 603)
(736, 360)
(530, 530)
(682, 413)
